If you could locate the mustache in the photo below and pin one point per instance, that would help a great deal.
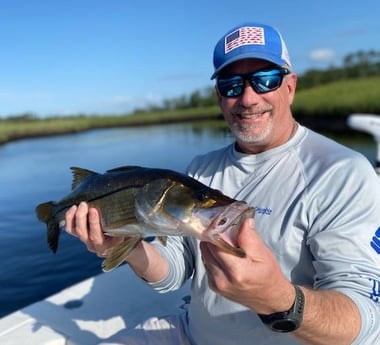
(252, 110)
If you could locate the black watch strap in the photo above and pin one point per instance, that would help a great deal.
(287, 321)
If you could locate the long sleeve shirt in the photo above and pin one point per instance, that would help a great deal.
(317, 208)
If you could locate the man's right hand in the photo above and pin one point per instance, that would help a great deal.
(84, 222)
(145, 260)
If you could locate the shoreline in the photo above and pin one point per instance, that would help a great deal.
(47, 128)
(325, 124)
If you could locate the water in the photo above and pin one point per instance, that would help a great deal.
(37, 170)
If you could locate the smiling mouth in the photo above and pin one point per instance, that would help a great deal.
(250, 116)
(253, 115)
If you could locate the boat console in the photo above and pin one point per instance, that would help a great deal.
(368, 123)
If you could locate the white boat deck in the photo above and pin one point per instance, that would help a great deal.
(90, 311)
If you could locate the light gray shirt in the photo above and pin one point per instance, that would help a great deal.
(317, 208)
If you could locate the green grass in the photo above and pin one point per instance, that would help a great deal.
(17, 128)
(338, 100)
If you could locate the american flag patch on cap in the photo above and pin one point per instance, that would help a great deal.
(244, 36)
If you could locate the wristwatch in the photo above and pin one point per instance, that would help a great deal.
(286, 321)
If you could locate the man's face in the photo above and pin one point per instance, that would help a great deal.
(259, 121)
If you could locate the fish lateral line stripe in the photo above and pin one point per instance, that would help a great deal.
(113, 192)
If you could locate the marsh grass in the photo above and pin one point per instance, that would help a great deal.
(334, 100)
(339, 99)
(18, 128)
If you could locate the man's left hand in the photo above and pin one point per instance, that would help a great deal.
(256, 280)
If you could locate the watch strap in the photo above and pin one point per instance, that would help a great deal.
(287, 321)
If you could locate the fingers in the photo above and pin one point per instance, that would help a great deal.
(76, 221)
(97, 241)
(223, 268)
(248, 238)
(70, 219)
(250, 241)
(252, 280)
(95, 235)
(84, 222)
(219, 265)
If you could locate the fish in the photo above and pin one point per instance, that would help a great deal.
(137, 203)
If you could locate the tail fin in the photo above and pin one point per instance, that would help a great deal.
(45, 214)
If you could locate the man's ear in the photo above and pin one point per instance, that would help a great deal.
(291, 83)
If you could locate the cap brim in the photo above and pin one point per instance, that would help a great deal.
(249, 55)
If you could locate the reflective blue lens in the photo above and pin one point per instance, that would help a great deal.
(261, 81)
(231, 86)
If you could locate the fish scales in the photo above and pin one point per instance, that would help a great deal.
(135, 202)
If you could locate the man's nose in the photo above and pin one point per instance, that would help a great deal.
(249, 95)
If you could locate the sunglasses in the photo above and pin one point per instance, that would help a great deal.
(263, 81)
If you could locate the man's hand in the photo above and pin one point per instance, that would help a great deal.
(255, 281)
(145, 260)
(84, 222)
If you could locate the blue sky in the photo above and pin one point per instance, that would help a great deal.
(62, 57)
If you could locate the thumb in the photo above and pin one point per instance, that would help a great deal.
(249, 240)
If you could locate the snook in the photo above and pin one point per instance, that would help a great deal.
(137, 202)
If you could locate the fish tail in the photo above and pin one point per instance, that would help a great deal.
(45, 213)
(119, 253)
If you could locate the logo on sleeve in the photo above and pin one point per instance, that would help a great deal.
(375, 295)
(375, 242)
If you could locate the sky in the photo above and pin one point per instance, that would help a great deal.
(67, 57)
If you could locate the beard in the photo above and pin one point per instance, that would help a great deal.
(251, 133)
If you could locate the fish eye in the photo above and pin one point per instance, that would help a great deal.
(202, 196)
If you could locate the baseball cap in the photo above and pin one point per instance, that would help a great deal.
(250, 40)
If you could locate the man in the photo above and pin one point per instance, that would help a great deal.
(310, 275)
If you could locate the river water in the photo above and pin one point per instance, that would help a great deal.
(37, 170)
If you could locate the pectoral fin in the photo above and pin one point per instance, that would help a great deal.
(117, 254)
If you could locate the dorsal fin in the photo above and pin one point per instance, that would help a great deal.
(79, 174)
(124, 168)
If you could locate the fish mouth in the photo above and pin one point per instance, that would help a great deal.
(224, 229)
(170, 213)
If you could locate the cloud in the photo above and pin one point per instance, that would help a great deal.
(322, 55)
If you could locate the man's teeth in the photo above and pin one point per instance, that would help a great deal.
(251, 116)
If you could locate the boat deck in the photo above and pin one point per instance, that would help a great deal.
(89, 311)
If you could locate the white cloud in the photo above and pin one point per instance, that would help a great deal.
(322, 55)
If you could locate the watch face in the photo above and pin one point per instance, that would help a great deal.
(285, 325)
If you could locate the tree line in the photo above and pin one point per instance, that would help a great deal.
(357, 65)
